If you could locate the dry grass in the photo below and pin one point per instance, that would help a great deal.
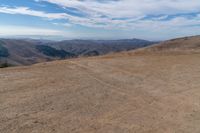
(113, 94)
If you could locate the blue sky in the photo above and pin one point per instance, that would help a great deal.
(99, 19)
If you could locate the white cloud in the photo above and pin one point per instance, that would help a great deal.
(27, 31)
(130, 8)
(27, 11)
(121, 14)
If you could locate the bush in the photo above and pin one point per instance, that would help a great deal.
(52, 52)
(4, 65)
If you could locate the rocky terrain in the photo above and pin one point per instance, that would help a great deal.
(151, 90)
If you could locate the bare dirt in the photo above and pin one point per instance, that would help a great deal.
(122, 93)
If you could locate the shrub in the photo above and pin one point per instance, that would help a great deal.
(4, 65)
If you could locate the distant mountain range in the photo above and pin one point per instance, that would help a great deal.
(28, 51)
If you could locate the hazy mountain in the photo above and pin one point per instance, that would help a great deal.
(30, 51)
(99, 47)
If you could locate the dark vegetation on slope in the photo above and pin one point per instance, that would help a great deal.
(3, 50)
(52, 52)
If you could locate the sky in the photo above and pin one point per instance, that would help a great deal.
(99, 19)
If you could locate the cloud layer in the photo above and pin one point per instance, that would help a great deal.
(29, 31)
(146, 15)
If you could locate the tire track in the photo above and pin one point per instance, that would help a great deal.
(117, 89)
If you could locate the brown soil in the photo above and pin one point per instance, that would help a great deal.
(112, 94)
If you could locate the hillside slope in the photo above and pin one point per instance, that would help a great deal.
(118, 93)
(22, 52)
(181, 45)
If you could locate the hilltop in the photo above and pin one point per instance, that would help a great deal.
(180, 45)
(150, 90)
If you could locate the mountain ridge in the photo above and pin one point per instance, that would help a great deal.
(31, 51)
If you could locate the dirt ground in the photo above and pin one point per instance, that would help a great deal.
(111, 94)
